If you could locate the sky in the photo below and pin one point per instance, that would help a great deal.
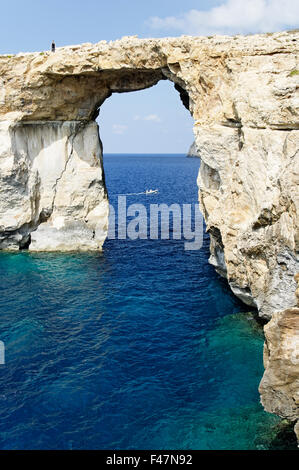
(152, 120)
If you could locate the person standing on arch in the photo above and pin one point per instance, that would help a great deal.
(53, 46)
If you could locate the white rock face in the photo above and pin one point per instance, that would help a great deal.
(243, 95)
(52, 192)
(193, 151)
(248, 190)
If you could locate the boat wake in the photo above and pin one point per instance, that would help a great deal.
(147, 192)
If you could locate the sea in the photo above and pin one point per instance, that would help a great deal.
(140, 346)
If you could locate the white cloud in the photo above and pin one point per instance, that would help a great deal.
(149, 117)
(119, 129)
(152, 117)
(233, 17)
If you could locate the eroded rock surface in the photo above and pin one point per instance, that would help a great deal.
(193, 151)
(52, 193)
(279, 387)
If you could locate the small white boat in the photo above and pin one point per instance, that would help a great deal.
(151, 191)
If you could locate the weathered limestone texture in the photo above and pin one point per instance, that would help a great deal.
(279, 387)
(243, 95)
(193, 151)
(52, 193)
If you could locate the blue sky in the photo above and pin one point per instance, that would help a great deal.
(153, 120)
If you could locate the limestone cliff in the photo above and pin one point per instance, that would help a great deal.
(193, 151)
(243, 95)
(52, 193)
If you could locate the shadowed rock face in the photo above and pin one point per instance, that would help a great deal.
(243, 95)
(52, 193)
(279, 387)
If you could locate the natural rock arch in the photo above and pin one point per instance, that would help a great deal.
(57, 173)
(242, 94)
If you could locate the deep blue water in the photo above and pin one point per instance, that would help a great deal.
(141, 346)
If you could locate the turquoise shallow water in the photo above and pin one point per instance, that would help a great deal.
(141, 346)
